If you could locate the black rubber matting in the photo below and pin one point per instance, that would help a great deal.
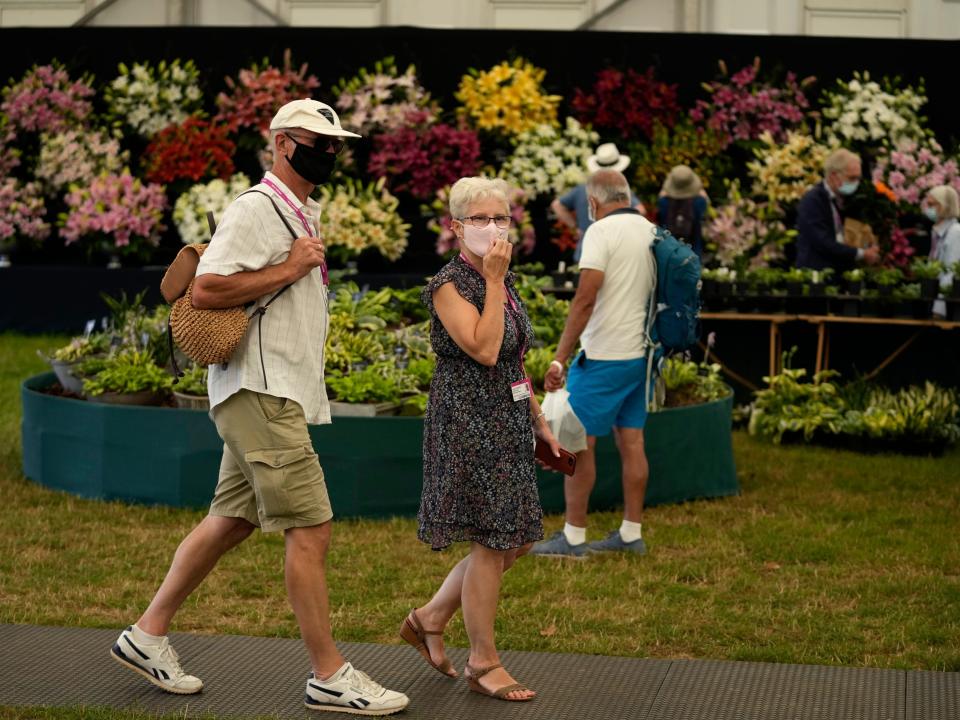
(249, 677)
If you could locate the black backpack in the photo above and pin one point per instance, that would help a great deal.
(679, 220)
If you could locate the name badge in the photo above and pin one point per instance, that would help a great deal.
(522, 389)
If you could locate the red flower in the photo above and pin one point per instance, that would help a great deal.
(421, 160)
(196, 150)
(630, 103)
(260, 91)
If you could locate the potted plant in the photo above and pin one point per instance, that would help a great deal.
(854, 281)
(906, 296)
(886, 279)
(129, 378)
(190, 390)
(928, 273)
(365, 390)
(818, 281)
(65, 361)
(795, 279)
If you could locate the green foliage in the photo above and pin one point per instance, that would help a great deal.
(547, 312)
(885, 277)
(193, 382)
(702, 381)
(128, 372)
(926, 269)
(80, 348)
(764, 276)
(916, 416)
(377, 382)
(537, 362)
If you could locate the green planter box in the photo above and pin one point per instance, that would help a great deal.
(170, 456)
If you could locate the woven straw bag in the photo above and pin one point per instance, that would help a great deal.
(208, 337)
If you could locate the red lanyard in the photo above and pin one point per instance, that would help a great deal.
(303, 221)
(513, 315)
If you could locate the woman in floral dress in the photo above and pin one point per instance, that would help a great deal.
(479, 482)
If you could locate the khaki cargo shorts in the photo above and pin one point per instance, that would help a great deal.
(269, 474)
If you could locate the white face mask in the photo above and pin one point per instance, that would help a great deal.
(480, 240)
(591, 214)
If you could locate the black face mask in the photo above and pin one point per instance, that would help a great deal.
(313, 165)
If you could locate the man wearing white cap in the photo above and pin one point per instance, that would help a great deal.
(267, 250)
(573, 209)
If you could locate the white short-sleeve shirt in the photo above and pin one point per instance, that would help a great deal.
(251, 236)
(619, 246)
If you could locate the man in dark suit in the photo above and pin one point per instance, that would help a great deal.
(820, 218)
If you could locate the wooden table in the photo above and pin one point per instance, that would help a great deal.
(823, 323)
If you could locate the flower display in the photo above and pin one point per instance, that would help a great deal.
(508, 98)
(630, 103)
(547, 160)
(522, 233)
(21, 212)
(782, 173)
(898, 250)
(910, 169)
(9, 152)
(258, 91)
(745, 234)
(382, 100)
(744, 107)
(148, 98)
(358, 215)
(77, 156)
(116, 211)
(420, 160)
(194, 150)
(47, 100)
(683, 144)
(861, 111)
(190, 210)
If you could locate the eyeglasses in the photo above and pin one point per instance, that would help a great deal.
(481, 221)
(322, 143)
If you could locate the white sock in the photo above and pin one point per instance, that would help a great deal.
(575, 535)
(145, 638)
(630, 531)
(331, 678)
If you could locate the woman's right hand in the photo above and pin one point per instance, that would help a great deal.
(496, 262)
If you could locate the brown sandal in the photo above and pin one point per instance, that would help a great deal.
(472, 676)
(412, 631)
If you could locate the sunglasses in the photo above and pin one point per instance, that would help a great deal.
(322, 143)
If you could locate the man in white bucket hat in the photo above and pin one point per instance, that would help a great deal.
(573, 209)
(267, 247)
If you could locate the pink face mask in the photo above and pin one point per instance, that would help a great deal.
(479, 240)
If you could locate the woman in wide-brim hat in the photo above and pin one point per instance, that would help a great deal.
(683, 205)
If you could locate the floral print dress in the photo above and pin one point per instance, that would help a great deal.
(479, 477)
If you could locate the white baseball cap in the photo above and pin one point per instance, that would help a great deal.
(310, 115)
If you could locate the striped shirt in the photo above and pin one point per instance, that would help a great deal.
(250, 236)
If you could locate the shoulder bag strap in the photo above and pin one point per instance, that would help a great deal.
(262, 310)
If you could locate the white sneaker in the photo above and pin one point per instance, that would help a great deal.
(351, 691)
(157, 663)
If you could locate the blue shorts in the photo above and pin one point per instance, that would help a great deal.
(608, 393)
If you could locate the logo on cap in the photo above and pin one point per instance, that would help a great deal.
(327, 114)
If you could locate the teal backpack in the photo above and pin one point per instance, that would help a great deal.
(673, 318)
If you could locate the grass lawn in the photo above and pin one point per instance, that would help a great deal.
(826, 557)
